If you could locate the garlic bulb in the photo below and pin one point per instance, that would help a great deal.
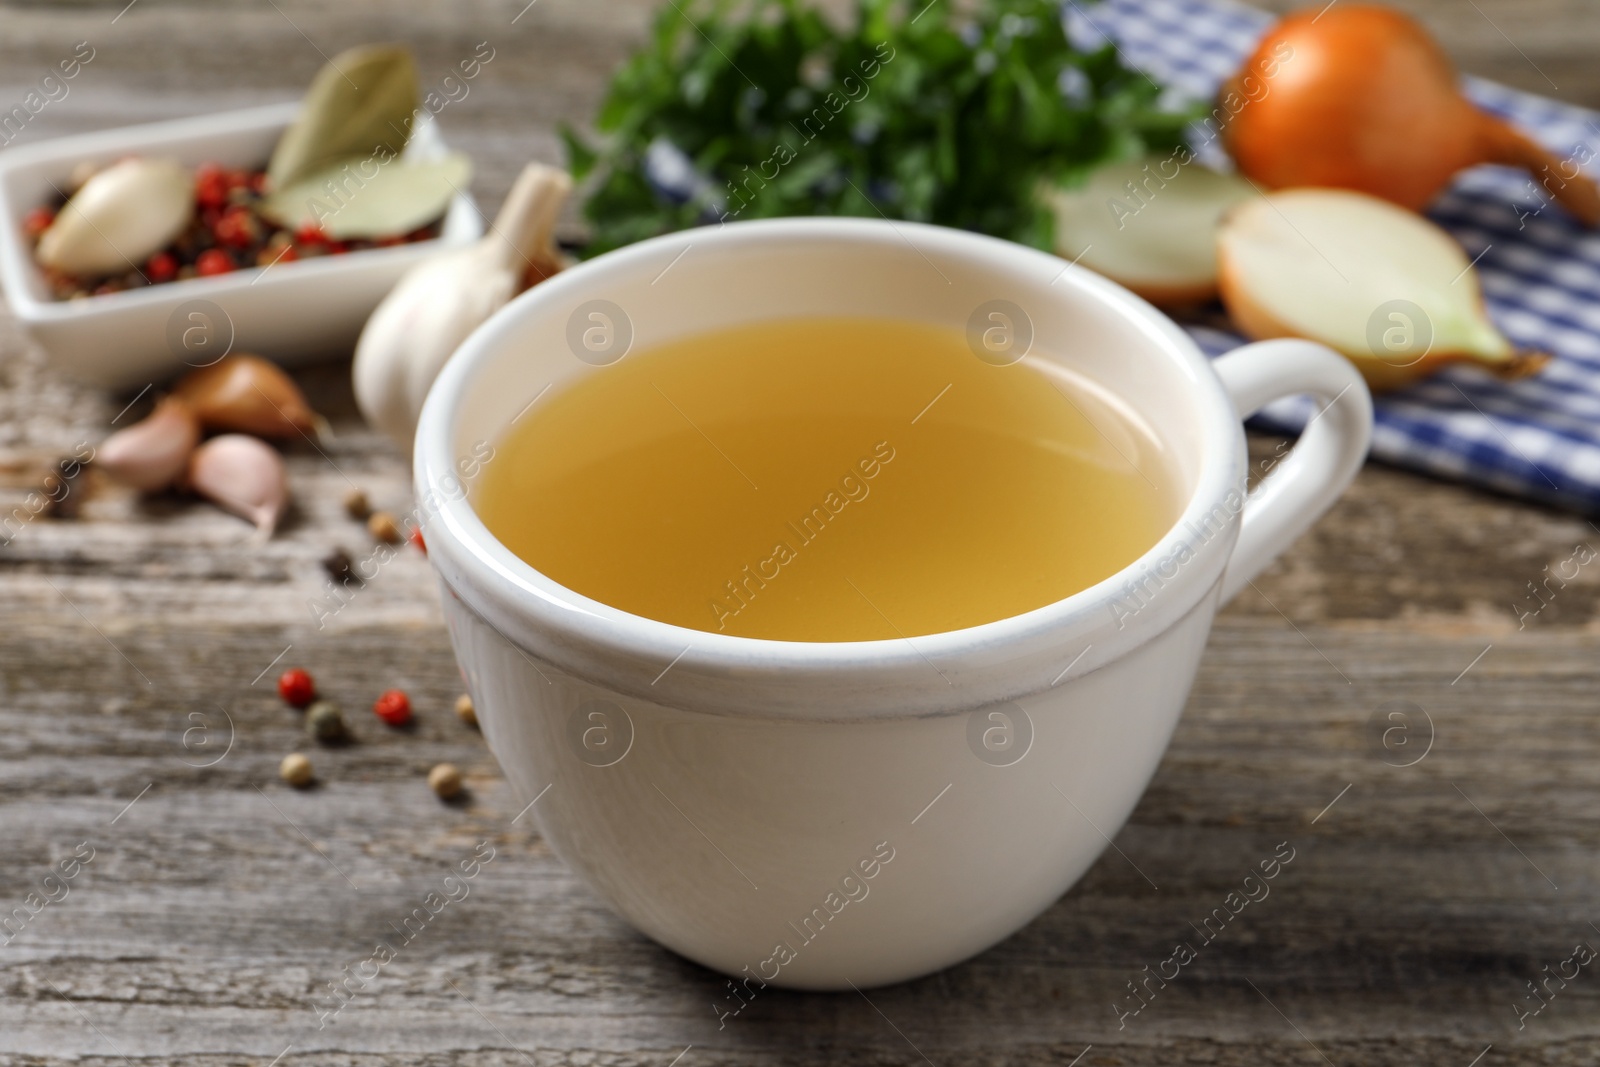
(244, 475)
(150, 454)
(439, 302)
(122, 216)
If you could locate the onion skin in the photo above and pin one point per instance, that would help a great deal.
(247, 394)
(1361, 97)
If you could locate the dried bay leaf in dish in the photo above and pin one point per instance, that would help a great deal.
(360, 198)
(362, 103)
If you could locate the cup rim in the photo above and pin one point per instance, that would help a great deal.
(575, 632)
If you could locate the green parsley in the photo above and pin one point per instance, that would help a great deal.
(955, 115)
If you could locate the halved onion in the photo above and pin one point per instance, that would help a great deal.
(1150, 225)
(1389, 289)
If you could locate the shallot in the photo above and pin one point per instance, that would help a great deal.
(247, 394)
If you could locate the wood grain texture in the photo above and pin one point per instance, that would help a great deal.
(219, 904)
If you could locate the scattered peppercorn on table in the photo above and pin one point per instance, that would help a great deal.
(231, 875)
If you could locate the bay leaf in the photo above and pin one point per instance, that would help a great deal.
(358, 197)
(361, 103)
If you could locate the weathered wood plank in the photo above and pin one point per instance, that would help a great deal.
(1416, 907)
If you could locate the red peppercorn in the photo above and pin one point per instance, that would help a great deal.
(310, 234)
(296, 687)
(235, 228)
(213, 261)
(416, 539)
(37, 221)
(210, 185)
(393, 707)
(161, 267)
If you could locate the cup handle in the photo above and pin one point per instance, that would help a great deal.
(1332, 447)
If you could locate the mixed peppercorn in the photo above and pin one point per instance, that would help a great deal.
(324, 721)
(228, 233)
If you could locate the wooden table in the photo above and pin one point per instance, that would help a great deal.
(1421, 900)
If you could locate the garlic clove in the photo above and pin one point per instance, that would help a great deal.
(247, 394)
(1152, 233)
(1390, 290)
(122, 216)
(152, 453)
(244, 475)
(433, 308)
(82, 171)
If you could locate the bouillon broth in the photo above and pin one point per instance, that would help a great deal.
(827, 480)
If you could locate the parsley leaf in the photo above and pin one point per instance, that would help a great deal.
(950, 115)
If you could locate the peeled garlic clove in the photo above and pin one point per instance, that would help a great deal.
(122, 216)
(82, 171)
(244, 475)
(1389, 289)
(152, 453)
(1149, 225)
(247, 394)
(433, 308)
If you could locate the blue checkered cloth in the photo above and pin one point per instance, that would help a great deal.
(1538, 437)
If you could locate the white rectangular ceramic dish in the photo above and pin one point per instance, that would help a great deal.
(292, 312)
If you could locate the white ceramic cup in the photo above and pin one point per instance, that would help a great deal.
(818, 815)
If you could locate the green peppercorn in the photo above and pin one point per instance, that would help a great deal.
(325, 722)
